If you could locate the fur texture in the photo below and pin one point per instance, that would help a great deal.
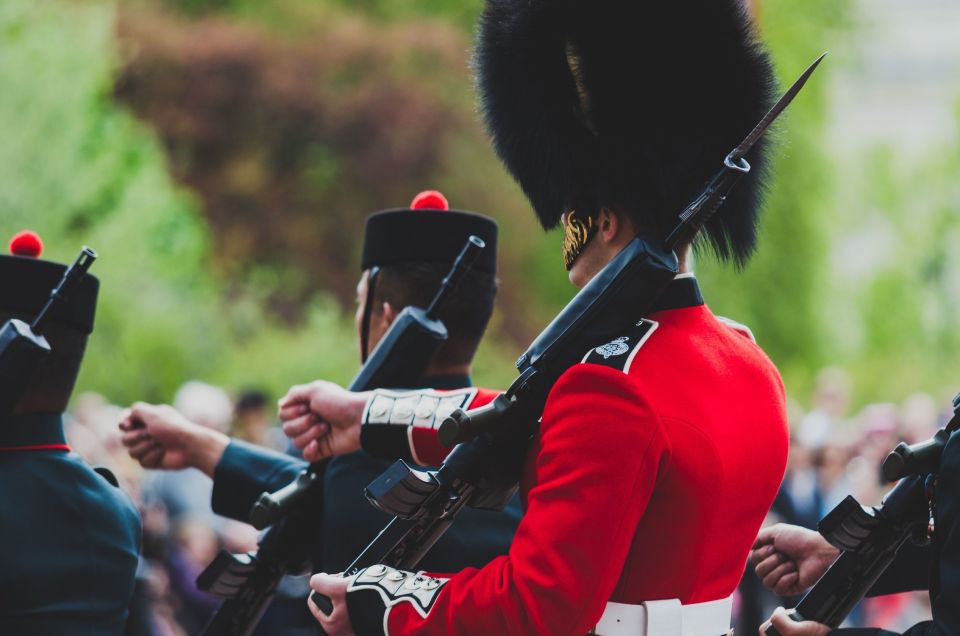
(626, 104)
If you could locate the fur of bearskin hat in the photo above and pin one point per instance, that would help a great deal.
(626, 104)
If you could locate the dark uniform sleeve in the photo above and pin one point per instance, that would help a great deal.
(244, 472)
(945, 589)
(909, 572)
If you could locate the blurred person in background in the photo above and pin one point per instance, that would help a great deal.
(70, 536)
(254, 420)
(831, 399)
(406, 254)
(830, 461)
(919, 418)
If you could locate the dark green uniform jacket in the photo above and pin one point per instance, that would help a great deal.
(69, 539)
(347, 521)
(935, 567)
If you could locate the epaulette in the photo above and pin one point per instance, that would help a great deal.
(739, 327)
(620, 352)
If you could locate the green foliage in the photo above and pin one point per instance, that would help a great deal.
(906, 335)
(780, 293)
(79, 170)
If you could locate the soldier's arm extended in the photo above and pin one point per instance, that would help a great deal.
(564, 563)
(244, 472)
(384, 423)
(160, 437)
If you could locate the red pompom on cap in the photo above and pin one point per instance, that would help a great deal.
(429, 200)
(26, 244)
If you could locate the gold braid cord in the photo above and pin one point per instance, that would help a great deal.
(577, 232)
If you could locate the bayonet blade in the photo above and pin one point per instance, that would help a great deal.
(774, 112)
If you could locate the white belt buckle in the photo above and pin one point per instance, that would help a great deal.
(665, 618)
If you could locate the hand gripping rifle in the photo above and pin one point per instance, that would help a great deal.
(870, 538)
(22, 345)
(249, 581)
(483, 470)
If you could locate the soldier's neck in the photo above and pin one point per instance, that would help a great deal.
(685, 261)
(446, 369)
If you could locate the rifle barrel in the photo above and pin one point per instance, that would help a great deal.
(61, 292)
(468, 255)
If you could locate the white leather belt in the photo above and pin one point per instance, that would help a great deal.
(666, 618)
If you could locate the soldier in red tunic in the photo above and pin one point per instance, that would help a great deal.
(657, 458)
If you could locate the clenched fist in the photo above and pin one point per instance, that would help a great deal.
(789, 559)
(322, 419)
(160, 437)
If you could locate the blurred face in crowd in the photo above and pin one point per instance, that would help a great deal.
(832, 464)
(832, 393)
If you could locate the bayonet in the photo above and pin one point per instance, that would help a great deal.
(699, 211)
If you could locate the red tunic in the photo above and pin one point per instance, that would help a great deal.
(645, 482)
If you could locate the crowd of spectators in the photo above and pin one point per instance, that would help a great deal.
(833, 453)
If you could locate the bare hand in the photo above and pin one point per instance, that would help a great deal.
(789, 559)
(786, 626)
(322, 419)
(159, 436)
(335, 588)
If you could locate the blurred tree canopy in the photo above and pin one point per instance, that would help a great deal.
(222, 154)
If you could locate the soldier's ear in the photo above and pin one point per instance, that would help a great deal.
(608, 225)
(389, 315)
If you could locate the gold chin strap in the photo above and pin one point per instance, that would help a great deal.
(577, 231)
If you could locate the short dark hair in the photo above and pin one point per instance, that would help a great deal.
(52, 384)
(465, 313)
(251, 400)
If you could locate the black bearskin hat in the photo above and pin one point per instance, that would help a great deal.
(627, 105)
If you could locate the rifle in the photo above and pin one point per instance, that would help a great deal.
(483, 470)
(248, 582)
(23, 346)
(870, 538)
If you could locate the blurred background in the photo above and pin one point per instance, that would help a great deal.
(221, 155)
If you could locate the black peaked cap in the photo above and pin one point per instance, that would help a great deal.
(25, 286)
(393, 237)
(628, 105)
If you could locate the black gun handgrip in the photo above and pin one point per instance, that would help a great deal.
(323, 602)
